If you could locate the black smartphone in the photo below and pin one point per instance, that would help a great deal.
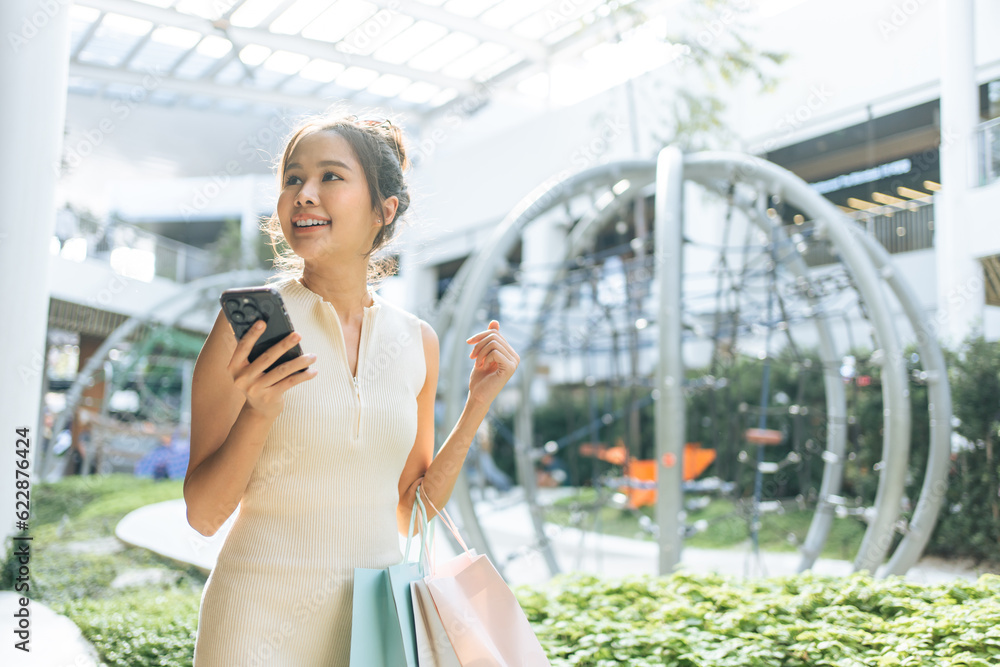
(245, 305)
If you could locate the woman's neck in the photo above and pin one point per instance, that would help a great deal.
(347, 296)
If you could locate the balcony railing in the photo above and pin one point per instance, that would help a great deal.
(139, 254)
(988, 142)
(899, 228)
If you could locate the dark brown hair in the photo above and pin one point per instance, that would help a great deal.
(377, 143)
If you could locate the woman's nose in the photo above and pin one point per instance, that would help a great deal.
(306, 195)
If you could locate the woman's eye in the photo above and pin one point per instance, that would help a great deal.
(289, 180)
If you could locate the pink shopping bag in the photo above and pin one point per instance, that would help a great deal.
(479, 612)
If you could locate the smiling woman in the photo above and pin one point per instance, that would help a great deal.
(323, 464)
(340, 160)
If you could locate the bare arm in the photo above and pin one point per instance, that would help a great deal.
(495, 363)
(233, 404)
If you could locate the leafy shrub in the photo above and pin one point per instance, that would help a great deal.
(688, 620)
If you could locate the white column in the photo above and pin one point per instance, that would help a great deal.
(249, 222)
(420, 280)
(960, 293)
(33, 77)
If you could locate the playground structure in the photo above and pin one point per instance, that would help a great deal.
(749, 183)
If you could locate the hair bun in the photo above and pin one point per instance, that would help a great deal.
(396, 140)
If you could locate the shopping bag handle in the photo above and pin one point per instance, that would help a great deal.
(418, 506)
(448, 523)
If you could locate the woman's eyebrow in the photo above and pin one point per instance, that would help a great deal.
(324, 163)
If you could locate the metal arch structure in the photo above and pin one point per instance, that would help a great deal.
(177, 302)
(868, 264)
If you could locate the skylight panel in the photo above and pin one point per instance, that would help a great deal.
(388, 85)
(321, 70)
(157, 3)
(508, 12)
(285, 62)
(482, 56)
(499, 66)
(432, 3)
(165, 46)
(356, 78)
(206, 10)
(419, 92)
(214, 47)
(539, 24)
(445, 96)
(83, 16)
(251, 13)
(118, 26)
(177, 37)
(443, 52)
(414, 39)
(339, 20)
(298, 16)
(231, 73)
(469, 8)
(254, 54)
(374, 32)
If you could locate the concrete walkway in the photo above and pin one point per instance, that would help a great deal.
(55, 641)
(163, 529)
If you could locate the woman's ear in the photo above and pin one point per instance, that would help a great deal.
(389, 210)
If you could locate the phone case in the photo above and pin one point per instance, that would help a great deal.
(245, 305)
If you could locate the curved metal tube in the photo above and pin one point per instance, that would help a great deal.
(457, 311)
(896, 441)
(932, 493)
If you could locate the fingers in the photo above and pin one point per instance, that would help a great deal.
(292, 367)
(492, 336)
(272, 354)
(494, 351)
(295, 378)
(245, 344)
(493, 326)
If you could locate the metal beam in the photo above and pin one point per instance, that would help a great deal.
(418, 10)
(294, 43)
(278, 99)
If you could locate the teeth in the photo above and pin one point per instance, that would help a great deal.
(310, 223)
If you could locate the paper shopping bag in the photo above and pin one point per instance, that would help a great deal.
(481, 616)
(434, 648)
(382, 626)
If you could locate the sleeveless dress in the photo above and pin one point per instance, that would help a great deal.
(322, 497)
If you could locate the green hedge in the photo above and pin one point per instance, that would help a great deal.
(803, 620)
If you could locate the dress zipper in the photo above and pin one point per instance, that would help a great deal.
(361, 359)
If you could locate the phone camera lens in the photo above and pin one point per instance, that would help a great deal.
(238, 317)
(250, 312)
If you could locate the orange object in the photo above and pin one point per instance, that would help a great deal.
(696, 461)
(763, 436)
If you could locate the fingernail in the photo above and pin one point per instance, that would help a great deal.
(259, 324)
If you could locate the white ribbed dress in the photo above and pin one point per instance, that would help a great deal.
(321, 499)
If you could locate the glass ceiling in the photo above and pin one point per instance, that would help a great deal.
(407, 55)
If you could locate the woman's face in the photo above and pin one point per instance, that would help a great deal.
(324, 184)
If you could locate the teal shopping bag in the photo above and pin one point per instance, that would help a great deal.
(383, 633)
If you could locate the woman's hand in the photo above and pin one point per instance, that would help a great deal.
(496, 362)
(264, 391)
